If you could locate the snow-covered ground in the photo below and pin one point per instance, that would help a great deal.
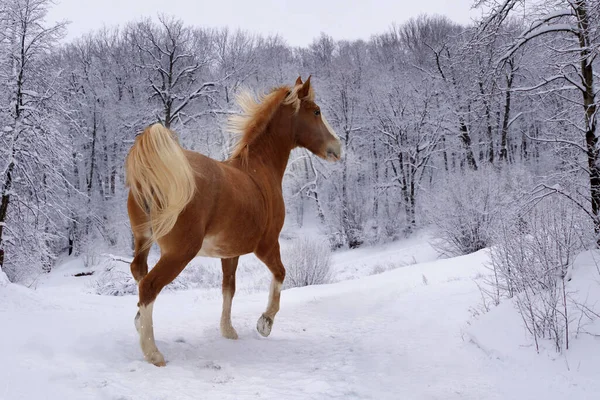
(403, 333)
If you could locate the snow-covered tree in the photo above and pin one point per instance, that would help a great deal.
(33, 150)
(176, 60)
(566, 33)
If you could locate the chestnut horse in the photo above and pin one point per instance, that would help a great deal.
(193, 205)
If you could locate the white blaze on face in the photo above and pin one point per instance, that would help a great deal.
(329, 128)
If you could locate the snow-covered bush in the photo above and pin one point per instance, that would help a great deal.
(530, 265)
(307, 262)
(113, 280)
(467, 209)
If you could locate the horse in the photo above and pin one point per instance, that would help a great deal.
(192, 205)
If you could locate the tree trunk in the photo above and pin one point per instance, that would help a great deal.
(506, 119)
(488, 120)
(8, 180)
(90, 178)
(412, 222)
(589, 107)
(376, 172)
(445, 153)
(4, 207)
(347, 218)
(465, 138)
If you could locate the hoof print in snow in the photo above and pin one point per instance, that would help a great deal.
(212, 365)
(223, 379)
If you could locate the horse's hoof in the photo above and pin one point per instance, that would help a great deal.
(264, 325)
(136, 322)
(229, 333)
(156, 358)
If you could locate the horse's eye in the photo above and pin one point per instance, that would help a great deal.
(317, 112)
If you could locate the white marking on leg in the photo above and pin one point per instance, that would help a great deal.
(273, 305)
(146, 331)
(227, 329)
(265, 322)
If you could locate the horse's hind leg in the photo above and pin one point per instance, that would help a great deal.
(229, 266)
(142, 238)
(171, 263)
(272, 259)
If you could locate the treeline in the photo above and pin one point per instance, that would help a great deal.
(426, 110)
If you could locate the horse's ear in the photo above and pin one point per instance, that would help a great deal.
(298, 81)
(305, 89)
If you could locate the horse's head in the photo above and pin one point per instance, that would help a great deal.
(310, 126)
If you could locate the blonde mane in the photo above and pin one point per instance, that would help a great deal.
(258, 112)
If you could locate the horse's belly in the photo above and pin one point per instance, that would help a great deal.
(213, 247)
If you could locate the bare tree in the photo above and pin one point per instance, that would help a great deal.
(568, 30)
(169, 53)
(444, 40)
(408, 128)
(31, 155)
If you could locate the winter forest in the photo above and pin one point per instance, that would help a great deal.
(485, 135)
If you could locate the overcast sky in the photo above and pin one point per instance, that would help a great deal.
(298, 22)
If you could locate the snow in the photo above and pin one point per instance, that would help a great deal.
(406, 333)
(3, 278)
(501, 335)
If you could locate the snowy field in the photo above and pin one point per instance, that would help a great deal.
(397, 324)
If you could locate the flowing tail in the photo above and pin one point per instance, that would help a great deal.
(160, 178)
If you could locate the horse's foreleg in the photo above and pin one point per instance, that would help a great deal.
(229, 266)
(272, 259)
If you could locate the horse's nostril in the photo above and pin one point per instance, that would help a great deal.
(331, 153)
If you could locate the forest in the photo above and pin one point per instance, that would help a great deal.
(485, 133)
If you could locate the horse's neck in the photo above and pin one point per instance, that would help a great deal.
(272, 149)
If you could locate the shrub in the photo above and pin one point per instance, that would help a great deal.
(307, 262)
(467, 208)
(530, 265)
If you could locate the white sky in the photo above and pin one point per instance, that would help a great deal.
(298, 22)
